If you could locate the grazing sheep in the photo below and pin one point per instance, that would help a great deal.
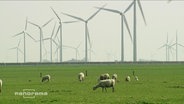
(81, 76)
(104, 76)
(105, 84)
(1, 85)
(127, 79)
(115, 76)
(46, 77)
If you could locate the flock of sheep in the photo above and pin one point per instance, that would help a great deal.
(104, 81)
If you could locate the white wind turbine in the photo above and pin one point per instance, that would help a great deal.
(18, 50)
(168, 48)
(135, 25)
(87, 37)
(51, 40)
(24, 33)
(123, 20)
(41, 34)
(177, 44)
(74, 48)
(61, 37)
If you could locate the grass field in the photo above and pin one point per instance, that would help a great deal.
(158, 84)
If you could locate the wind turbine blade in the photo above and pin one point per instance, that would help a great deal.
(56, 50)
(126, 23)
(70, 21)
(55, 13)
(19, 43)
(171, 48)
(26, 24)
(110, 10)
(18, 34)
(78, 46)
(31, 36)
(74, 17)
(68, 46)
(95, 13)
(57, 39)
(173, 44)
(89, 40)
(20, 51)
(46, 39)
(129, 7)
(162, 46)
(57, 32)
(13, 48)
(47, 22)
(78, 53)
(140, 7)
(53, 30)
(55, 42)
(180, 45)
(34, 24)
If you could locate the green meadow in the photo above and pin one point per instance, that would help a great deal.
(158, 84)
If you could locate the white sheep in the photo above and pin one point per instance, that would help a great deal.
(105, 84)
(104, 76)
(127, 79)
(1, 85)
(115, 76)
(81, 76)
(46, 77)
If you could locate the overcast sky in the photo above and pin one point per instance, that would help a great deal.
(104, 29)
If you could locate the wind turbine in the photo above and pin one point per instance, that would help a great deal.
(170, 48)
(135, 26)
(166, 48)
(75, 48)
(41, 34)
(18, 50)
(123, 19)
(51, 40)
(177, 44)
(24, 33)
(87, 37)
(60, 28)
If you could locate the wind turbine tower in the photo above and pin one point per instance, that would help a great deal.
(134, 3)
(41, 35)
(87, 37)
(177, 44)
(123, 20)
(18, 50)
(24, 35)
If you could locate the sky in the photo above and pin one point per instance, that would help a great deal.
(105, 33)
